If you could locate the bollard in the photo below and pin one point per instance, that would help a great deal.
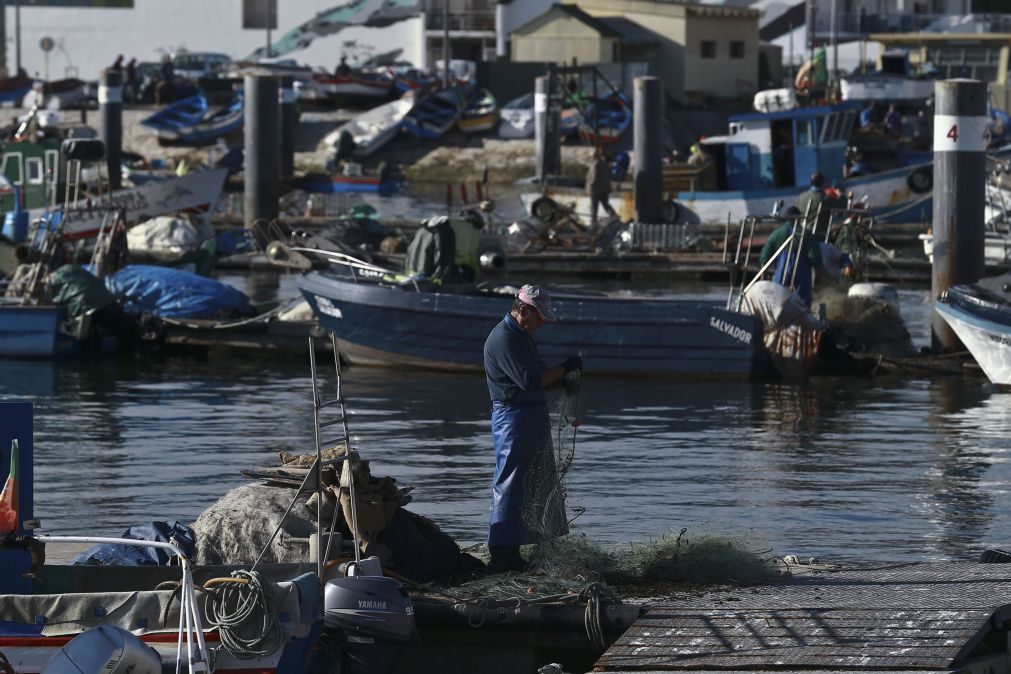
(262, 154)
(546, 120)
(287, 83)
(110, 101)
(648, 176)
(960, 140)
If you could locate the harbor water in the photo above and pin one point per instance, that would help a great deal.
(842, 469)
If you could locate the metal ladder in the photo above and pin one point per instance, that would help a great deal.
(319, 426)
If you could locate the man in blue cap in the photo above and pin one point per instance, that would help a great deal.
(517, 379)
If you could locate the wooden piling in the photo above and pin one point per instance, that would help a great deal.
(110, 101)
(648, 172)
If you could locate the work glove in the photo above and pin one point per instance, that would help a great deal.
(572, 363)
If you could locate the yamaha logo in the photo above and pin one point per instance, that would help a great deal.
(371, 604)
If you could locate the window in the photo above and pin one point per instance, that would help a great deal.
(736, 49)
(34, 166)
(52, 161)
(259, 14)
(12, 167)
(805, 132)
(708, 49)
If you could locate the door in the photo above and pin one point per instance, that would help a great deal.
(739, 166)
(805, 150)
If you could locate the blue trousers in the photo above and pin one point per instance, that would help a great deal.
(520, 435)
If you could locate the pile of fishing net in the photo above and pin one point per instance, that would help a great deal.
(860, 324)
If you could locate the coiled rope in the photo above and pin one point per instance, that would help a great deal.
(598, 596)
(5, 665)
(243, 611)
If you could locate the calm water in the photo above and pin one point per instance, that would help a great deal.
(841, 469)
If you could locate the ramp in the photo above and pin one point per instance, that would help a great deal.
(937, 617)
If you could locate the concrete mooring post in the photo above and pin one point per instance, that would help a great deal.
(110, 101)
(960, 140)
(262, 154)
(648, 171)
(287, 127)
(546, 121)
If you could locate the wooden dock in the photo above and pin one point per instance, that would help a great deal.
(935, 617)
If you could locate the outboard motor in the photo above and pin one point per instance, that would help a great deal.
(105, 650)
(375, 618)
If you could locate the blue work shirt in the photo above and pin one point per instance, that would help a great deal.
(512, 366)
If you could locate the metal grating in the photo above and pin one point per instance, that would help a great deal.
(922, 617)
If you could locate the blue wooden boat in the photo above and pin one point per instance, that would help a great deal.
(31, 331)
(211, 126)
(341, 184)
(182, 113)
(435, 114)
(13, 89)
(980, 316)
(386, 324)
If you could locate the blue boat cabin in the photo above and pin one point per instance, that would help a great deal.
(783, 149)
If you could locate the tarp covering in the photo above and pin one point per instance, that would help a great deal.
(172, 293)
(164, 238)
(111, 554)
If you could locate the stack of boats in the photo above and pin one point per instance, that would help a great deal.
(193, 121)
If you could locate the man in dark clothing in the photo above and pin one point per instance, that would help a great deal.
(118, 63)
(517, 378)
(598, 185)
(130, 81)
(817, 204)
(343, 69)
(802, 253)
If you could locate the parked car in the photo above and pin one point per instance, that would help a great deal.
(196, 64)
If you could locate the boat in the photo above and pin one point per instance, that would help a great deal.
(481, 113)
(980, 316)
(392, 324)
(191, 121)
(517, 118)
(606, 119)
(356, 86)
(374, 128)
(765, 161)
(14, 89)
(57, 95)
(896, 82)
(996, 228)
(410, 78)
(341, 183)
(435, 114)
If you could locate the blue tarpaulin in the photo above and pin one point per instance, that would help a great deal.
(172, 293)
(109, 554)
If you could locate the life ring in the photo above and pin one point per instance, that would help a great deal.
(671, 211)
(544, 209)
(921, 180)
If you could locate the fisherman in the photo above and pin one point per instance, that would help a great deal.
(701, 159)
(598, 185)
(801, 253)
(893, 122)
(130, 81)
(817, 204)
(343, 69)
(517, 379)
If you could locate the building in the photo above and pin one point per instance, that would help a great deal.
(699, 51)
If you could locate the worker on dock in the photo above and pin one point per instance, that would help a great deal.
(517, 379)
(598, 185)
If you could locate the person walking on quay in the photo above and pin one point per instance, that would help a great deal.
(598, 185)
(343, 69)
(117, 65)
(522, 513)
(130, 81)
(165, 91)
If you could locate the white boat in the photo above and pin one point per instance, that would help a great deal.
(980, 316)
(374, 128)
(997, 232)
(885, 88)
(195, 192)
(518, 118)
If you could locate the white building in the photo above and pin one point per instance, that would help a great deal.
(88, 39)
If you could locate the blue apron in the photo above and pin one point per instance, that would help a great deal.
(520, 435)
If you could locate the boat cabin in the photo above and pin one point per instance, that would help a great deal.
(782, 149)
(34, 167)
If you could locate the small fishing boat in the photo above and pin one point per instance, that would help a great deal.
(980, 315)
(57, 95)
(374, 128)
(433, 115)
(192, 122)
(481, 113)
(356, 86)
(14, 89)
(398, 325)
(341, 183)
(518, 118)
(413, 79)
(606, 120)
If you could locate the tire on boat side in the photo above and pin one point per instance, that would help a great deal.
(921, 180)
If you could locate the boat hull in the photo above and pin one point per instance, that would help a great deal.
(987, 340)
(384, 325)
(885, 89)
(30, 332)
(478, 124)
(341, 184)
